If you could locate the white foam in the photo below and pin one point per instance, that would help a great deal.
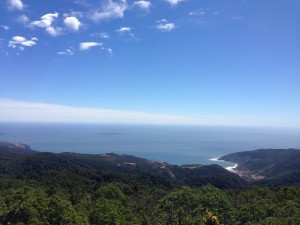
(231, 168)
(214, 159)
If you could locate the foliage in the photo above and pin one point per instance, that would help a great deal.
(68, 189)
(207, 205)
(122, 204)
(180, 207)
(35, 207)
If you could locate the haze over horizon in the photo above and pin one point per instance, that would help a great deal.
(163, 62)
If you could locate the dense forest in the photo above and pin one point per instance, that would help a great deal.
(45, 188)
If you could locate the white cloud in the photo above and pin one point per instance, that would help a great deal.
(54, 31)
(110, 52)
(23, 19)
(19, 111)
(198, 12)
(163, 25)
(21, 42)
(69, 51)
(110, 10)
(4, 27)
(162, 21)
(46, 22)
(174, 2)
(11, 110)
(87, 45)
(76, 14)
(15, 4)
(124, 29)
(143, 4)
(72, 23)
(103, 35)
(166, 27)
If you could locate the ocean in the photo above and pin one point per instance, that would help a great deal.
(166, 143)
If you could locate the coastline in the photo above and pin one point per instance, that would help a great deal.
(248, 175)
(229, 168)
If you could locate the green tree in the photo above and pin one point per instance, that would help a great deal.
(32, 206)
(217, 203)
(107, 212)
(180, 207)
(110, 207)
(60, 211)
(111, 192)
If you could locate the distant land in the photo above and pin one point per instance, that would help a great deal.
(274, 167)
(16, 159)
(267, 166)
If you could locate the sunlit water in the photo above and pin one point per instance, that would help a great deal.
(172, 144)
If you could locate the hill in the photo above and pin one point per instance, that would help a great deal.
(44, 188)
(20, 160)
(268, 166)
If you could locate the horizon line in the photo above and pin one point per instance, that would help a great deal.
(36, 112)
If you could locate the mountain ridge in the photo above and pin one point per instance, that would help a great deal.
(20, 162)
(267, 165)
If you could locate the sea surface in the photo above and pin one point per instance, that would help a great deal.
(168, 143)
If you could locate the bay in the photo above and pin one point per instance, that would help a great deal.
(170, 143)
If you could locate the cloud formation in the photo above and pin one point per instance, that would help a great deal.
(46, 22)
(15, 4)
(87, 45)
(54, 31)
(110, 10)
(4, 27)
(126, 32)
(124, 29)
(110, 52)
(69, 51)
(23, 19)
(103, 35)
(174, 2)
(143, 4)
(11, 110)
(163, 25)
(19, 111)
(21, 42)
(72, 23)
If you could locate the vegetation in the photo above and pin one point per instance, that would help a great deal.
(43, 188)
(118, 203)
(269, 167)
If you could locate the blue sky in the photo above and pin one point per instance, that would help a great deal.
(213, 62)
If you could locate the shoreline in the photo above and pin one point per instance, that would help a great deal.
(248, 175)
(229, 168)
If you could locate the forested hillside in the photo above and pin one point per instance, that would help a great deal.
(272, 167)
(45, 188)
(20, 160)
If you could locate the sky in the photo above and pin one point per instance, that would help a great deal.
(204, 62)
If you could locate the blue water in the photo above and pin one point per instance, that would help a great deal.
(172, 144)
